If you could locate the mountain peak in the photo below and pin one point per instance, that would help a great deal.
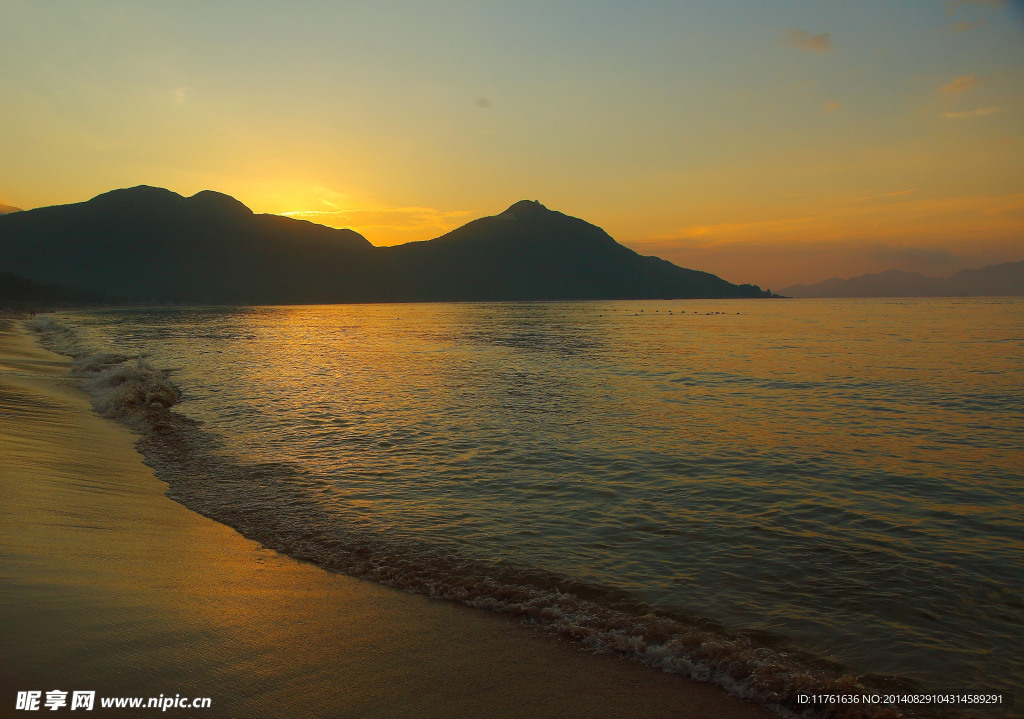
(139, 193)
(524, 208)
(145, 198)
(218, 202)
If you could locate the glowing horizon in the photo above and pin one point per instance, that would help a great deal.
(773, 143)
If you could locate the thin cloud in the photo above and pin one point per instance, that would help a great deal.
(833, 106)
(954, 4)
(919, 257)
(891, 214)
(960, 84)
(980, 112)
(730, 231)
(410, 219)
(803, 40)
(964, 26)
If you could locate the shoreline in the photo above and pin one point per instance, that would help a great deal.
(109, 585)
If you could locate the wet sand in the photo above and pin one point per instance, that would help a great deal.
(107, 585)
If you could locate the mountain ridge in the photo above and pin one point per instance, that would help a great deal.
(149, 244)
(1000, 280)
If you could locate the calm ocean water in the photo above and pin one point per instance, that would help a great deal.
(745, 491)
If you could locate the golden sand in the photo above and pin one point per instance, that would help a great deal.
(107, 585)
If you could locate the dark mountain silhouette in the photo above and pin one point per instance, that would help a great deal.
(991, 281)
(530, 252)
(5, 209)
(19, 292)
(152, 245)
(1001, 280)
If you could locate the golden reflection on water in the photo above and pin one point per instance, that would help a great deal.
(109, 587)
(787, 466)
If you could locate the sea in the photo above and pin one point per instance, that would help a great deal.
(781, 497)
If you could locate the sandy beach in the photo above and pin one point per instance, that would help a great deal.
(107, 585)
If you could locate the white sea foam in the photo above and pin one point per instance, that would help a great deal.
(129, 389)
(57, 337)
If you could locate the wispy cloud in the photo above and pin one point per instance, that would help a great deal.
(843, 238)
(959, 84)
(730, 231)
(980, 112)
(954, 4)
(870, 213)
(803, 40)
(833, 106)
(908, 255)
(178, 95)
(402, 219)
(964, 26)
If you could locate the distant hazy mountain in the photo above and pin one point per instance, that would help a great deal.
(152, 245)
(991, 281)
(5, 209)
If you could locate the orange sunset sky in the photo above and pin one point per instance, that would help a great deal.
(767, 142)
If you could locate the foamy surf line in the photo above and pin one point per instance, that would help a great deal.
(261, 503)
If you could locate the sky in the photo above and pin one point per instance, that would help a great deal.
(768, 141)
